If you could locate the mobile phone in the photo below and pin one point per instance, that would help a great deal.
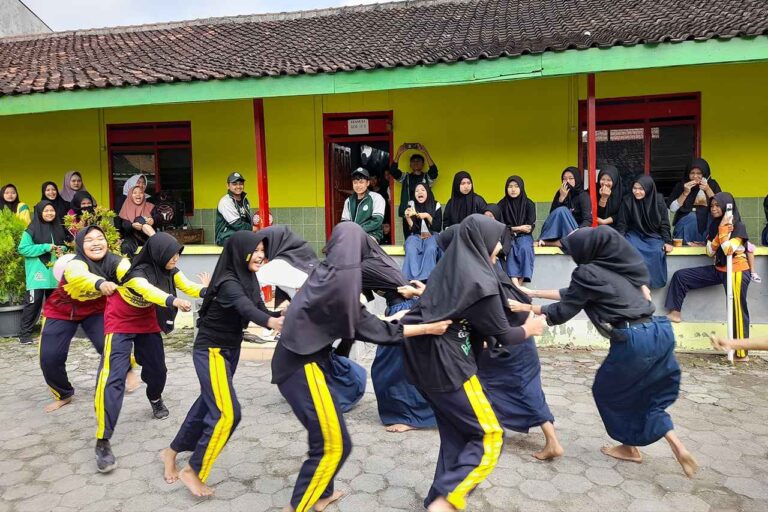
(729, 208)
(411, 145)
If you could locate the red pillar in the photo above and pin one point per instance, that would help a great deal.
(592, 145)
(261, 162)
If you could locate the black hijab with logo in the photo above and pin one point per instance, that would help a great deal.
(328, 306)
(460, 206)
(105, 267)
(43, 232)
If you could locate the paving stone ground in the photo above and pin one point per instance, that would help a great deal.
(47, 461)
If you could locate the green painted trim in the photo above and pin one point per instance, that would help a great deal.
(548, 64)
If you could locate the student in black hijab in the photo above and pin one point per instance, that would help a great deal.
(290, 260)
(610, 195)
(689, 201)
(81, 202)
(50, 192)
(9, 199)
(511, 375)
(726, 235)
(519, 214)
(424, 220)
(765, 229)
(640, 377)
(41, 244)
(644, 223)
(233, 299)
(465, 288)
(325, 309)
(401, 406)
(144, 306)
(571, 209)
(463, 202)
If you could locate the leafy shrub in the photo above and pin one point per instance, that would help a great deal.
(12, 285)
(102, 217)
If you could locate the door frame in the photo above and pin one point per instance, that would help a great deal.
(331, 134)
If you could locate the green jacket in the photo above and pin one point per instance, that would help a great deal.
(39, 275)
(368, 212)
(231, 217)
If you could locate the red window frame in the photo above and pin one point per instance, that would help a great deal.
(150, 137)
(644, 112)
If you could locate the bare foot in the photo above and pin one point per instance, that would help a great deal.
(550, 451)
(58, 404)
(193, 483)
(399, 427)
(170, 473)
(744, 359)
(675, 316)
(440, 505)
(623, 452)
(132, 381)
(688, 462)
(323, 503)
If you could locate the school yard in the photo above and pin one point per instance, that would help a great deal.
(47, 461)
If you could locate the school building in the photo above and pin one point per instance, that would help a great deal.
(294, 101)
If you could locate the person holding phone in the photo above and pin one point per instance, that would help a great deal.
(689, 201)
(424, 218)
(726, 235)
(571, 209)
(409, 180)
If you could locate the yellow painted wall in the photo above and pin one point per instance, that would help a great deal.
(41, 147)
(494, 130)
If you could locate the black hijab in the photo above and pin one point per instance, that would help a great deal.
(47, 232)
(445, 238)
(604, 247)
(430, 205)
(328, 306)
(380, 271)
(515, 211)
(12, 205)
(687, 206)
(461, 206)
(280, 243)
(573, 191)
(78, 198)
(495, 210)
(617, 192)
(644, 215)
(464, 275)
(713, 224)
(62, 207)
(105, 267)
(233, 266)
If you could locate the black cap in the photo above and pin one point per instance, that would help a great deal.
(235, 176)
(417, 156)
(362, 171)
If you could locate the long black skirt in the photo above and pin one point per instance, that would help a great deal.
(636, 383)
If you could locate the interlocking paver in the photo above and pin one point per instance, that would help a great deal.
(51, 466)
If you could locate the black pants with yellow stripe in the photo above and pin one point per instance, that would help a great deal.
(470, 442)
(694, 278)
(315, 405)
(115, 363)
(216, 412)
(55, 338)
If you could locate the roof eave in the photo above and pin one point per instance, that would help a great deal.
(547, 64)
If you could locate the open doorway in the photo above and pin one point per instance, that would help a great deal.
(357, 140)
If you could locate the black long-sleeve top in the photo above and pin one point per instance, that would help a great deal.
(444, 363)
(369, 328)
(624, 222)
(580, 206)
(228, 315)
(605, 297)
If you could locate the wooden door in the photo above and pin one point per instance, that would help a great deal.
(340, 168)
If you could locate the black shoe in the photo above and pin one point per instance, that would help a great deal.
(26, 341)
(159, 410)
(105, 459)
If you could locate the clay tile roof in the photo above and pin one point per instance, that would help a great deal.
(358, 38)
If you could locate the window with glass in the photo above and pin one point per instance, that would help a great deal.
(654, 135)
(160, 151)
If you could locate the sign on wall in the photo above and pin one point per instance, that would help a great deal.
(358, 127)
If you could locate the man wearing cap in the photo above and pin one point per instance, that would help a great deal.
(364, 207)
(233, 213)
(409, 181)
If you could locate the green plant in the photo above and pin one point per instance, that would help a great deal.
(11, 262)
(102, 217)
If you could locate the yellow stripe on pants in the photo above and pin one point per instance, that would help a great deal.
(101, 385)
(217, 369)
(332, 441)
(492, 442)
(738, 320)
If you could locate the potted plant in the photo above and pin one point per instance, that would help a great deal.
(12, 276)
